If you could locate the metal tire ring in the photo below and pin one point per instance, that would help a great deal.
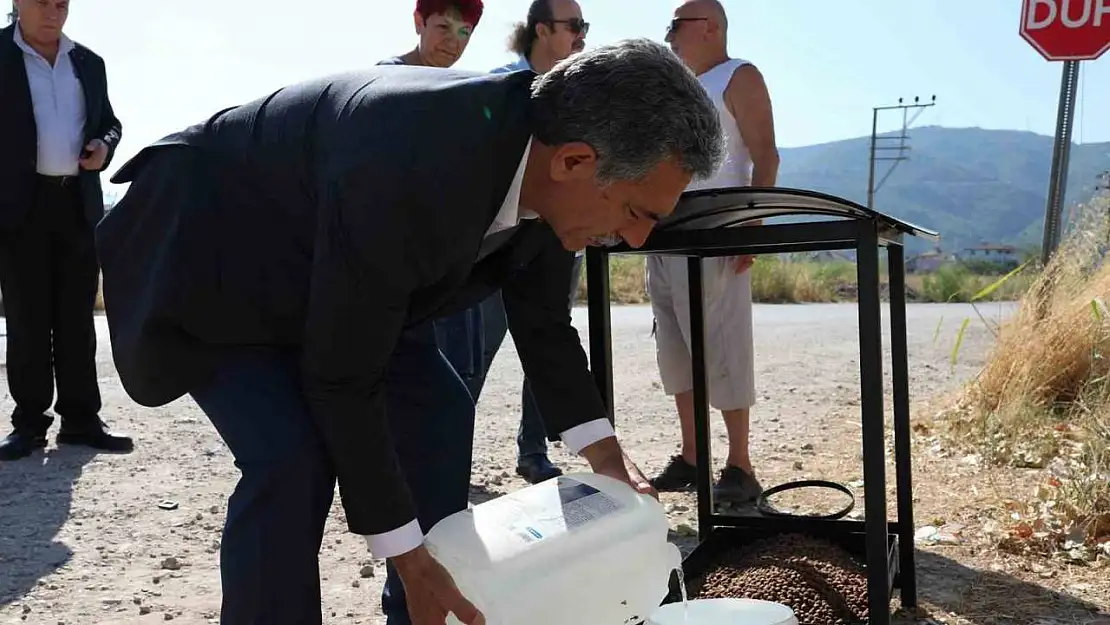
(765, 508)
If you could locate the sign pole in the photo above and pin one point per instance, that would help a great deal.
(1061, 150)
(1067, 31)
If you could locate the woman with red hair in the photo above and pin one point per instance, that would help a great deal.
(444, 28)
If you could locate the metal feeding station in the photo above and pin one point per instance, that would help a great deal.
(708, 224)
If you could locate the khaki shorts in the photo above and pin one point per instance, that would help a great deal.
(728, 329)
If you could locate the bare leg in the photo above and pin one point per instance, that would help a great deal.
(684, 402)
(737, 423)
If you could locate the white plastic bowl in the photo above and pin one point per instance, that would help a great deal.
(723, 612)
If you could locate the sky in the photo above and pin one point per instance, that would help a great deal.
(172, 63)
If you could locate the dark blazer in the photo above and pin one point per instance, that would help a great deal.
(19, 157)
(325, 218)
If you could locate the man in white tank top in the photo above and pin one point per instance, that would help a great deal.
(698, 34)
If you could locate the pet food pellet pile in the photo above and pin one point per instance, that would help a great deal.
(821, 582)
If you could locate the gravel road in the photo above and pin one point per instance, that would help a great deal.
(84, 539)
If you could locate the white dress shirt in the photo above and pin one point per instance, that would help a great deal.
(59, 105)
(409, 536)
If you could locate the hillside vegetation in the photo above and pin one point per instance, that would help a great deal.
(970, 184)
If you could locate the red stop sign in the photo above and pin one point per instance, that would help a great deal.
(1067, 30)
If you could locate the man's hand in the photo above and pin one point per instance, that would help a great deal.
(742, 263)
(92, 159)
(606, 458)
(430, 592)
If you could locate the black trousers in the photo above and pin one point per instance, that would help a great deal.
(269, 555)
(49, 276)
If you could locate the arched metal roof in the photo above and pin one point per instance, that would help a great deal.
(723, 208)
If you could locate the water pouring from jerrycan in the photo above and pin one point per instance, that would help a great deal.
(724, 612)
(581, 548)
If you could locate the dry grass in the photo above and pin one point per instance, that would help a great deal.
(627, 280)
(957, 283)
(1042, 400)
(773, 280)
(777, 280)
(796, 280)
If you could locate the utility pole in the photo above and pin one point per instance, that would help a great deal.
(1061, 149)
(900, 149)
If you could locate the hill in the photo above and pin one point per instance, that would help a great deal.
(970, 184)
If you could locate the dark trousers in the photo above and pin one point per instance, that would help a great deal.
(275, 519)
(470, 340)
(48, 276)
(462, 339)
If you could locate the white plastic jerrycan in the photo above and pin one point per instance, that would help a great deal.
(724, 612)
(579, 549)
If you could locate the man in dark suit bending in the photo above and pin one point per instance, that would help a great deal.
(59, 133)
(268, 261)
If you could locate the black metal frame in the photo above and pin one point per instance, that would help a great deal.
(703, 226)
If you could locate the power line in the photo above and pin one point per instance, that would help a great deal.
(899, 150)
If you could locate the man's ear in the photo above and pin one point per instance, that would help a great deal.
(418, 22)
(573, 161)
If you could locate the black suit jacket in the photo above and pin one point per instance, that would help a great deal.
(19, 157)
(325, 218)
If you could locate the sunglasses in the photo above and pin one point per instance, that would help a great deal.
(575, 25)
(676, 22)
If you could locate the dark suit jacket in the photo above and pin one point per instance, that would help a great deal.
(19, 157)
(325, 218)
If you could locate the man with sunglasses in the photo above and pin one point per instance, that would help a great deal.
(698, 34)
(552, 31)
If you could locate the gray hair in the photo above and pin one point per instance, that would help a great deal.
(636, 104)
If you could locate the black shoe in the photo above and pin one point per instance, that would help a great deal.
(536, 468)
(96, 436)
(20, 444)
(678, 476)
(736, 487)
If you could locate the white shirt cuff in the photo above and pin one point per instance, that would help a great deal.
(395, 542)
(590, 432)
